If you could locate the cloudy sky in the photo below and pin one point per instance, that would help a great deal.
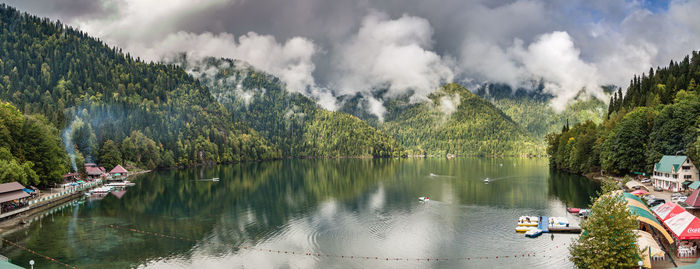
(344, 47)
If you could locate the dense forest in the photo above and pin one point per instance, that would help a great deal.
(532, 110)
(30, 148)
(456, 121)
(658, 115)
(97, 94)
(291, 121)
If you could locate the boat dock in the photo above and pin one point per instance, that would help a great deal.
(565, 230)
(559, 225)
(543, 224)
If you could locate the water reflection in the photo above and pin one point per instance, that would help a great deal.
(354, 207)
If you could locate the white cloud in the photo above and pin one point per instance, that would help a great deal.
(554, 58)
(391, 54)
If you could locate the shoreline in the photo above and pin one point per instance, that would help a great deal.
(46, 205)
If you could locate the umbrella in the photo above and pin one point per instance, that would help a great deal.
(640, 192)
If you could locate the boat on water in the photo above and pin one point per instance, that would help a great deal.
(486, 180)
(584, 213)
(558, 222)
(104, 190)
(531, 221)
(120, 184)
(532, 233)
(424, 198)
(573, 210)
(523, 229)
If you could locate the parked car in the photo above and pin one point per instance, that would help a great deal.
(656, 202)
(648, 197)
(658, 189)
(676, 194)
(678, 199)
(646, 180)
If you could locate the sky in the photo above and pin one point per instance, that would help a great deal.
(337, 47)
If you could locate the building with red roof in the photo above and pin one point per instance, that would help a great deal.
(119, 171)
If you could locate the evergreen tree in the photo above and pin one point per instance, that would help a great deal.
(110, 155)
(608, 239)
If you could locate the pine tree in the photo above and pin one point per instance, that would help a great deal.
(608, 239)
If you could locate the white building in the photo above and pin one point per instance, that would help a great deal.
(671, 171)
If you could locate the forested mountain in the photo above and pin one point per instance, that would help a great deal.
(531, 109)
(456, 121)
(658, 115)
(292, 121)
(101, 94)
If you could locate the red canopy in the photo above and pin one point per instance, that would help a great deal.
(684, 226)
(693, 199)
(640, 192)
(668, 210)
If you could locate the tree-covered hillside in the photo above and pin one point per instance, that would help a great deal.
(100, 94)
(293, 122)
(659, 115)
(456, 121)
(532, 109)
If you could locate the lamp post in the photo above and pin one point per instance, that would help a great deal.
(31, 263)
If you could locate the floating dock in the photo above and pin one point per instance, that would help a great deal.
(546, 228)
(543, 224)
(569, 229)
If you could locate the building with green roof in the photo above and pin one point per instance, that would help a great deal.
(672, 170)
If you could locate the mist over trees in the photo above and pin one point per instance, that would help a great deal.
(658, 115)
(98, 93)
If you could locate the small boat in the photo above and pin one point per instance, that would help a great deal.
(532, 233)
(120, 183)
(528, 221)
(486, 180)
(573, 210)
(584, 213)
(216, 179)
(558, 222)
(424, 198)
(522, 229)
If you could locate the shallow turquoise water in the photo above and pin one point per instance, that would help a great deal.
(358, 212)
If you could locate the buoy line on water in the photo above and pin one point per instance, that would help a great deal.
(37, 254)
(533, 254)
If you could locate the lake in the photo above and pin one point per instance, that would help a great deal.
(347, 213)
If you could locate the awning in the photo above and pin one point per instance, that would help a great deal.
(684, 226)
(695, 185)
(643, 214)
(632, 184)
(668, 210)
(9, 196)
(645, 240)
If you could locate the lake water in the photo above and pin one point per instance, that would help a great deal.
(359, 212)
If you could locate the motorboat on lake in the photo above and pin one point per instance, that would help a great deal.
(424, 198)
(534, 232)
(120, 184)
(486, 180)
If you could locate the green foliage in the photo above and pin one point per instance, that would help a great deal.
(456, 121)
(608, 239)
(625, 146)
(639, 130)
(30, 151)
(110, 155)
(69, 77)
(291, 121)
(533, 111)
(339, 134)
